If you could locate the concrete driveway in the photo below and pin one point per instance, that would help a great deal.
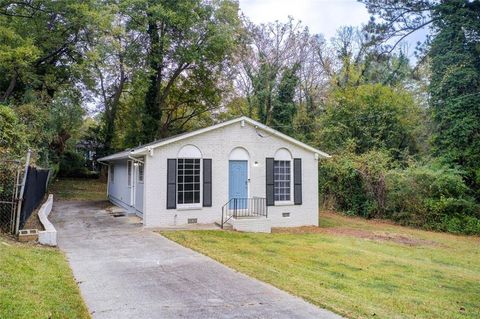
(125, 271)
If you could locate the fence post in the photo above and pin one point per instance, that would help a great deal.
(20, 199)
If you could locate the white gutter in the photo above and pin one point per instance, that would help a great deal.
(135, 159)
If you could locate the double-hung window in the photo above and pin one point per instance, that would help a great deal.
(188, 181)
(282, 180)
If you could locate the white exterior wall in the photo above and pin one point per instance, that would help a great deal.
(217, 145)
(118, 190)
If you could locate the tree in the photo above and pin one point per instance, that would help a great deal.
(269, 51)
(452, 48)
(371, 116)
(13, 134)
(188, 46)
(114, 59)
(455, 86)
(284, 109)
(43, 47)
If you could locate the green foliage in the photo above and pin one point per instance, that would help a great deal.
(284, 107)
(73, 164)
(13, 134)
(355, 183)
(431, 196)
(41, 52)
(455, 86)
(189, 46)
(372, 117)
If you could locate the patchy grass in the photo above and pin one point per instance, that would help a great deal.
(355, 267)
(79, 189)
(36, 282)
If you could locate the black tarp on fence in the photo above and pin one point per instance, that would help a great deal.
(35, 188)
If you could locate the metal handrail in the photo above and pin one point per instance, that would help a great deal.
(244, 207)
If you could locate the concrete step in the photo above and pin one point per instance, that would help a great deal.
(254, 225)
(226, 226)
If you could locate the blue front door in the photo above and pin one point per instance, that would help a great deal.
(238, 183)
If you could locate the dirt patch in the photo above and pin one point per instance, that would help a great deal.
(364, 234)
(33, 222)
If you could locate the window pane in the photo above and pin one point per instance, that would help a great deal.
(188, 181)
(180, 197)
(282, 180)
(188, 197)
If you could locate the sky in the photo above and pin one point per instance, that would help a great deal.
(321, 16)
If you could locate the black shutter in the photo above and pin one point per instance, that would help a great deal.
(297, 181)
(269, 182)
(207, 182)
(171, 183)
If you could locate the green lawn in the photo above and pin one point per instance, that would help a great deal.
(79, 189)
(357, 268)
(36, 282)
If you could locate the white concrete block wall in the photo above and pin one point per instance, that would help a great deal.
(217, 145)
(252, 225)
(48, 236)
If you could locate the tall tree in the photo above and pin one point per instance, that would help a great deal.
(43, 46)
(114, 58)
(369, 116)
(284, 108)
(189, 44)
(455, 86)
(270, 49)
(453, 49)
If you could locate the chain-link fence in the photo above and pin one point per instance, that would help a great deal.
(22, 188)
(11, 175)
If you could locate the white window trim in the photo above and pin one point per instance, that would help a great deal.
(198, 205)
(290, 201)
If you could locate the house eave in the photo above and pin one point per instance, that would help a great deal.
(145, 150)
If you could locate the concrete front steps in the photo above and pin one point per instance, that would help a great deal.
(258, 224)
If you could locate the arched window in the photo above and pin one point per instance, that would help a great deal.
(283, 175)
(189, 176)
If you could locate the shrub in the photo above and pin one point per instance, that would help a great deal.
(431, 197)
(73, 164)
(355, 182)
(13, 134)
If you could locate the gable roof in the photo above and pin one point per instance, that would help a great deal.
(144, 149)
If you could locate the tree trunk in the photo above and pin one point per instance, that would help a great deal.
(153, 112)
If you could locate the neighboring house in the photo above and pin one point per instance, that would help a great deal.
(88, 149)
(238, 172)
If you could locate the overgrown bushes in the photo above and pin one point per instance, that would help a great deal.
(429, 195)
(73, 164)
(432, 197)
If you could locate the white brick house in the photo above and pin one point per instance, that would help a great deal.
(239, 172)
